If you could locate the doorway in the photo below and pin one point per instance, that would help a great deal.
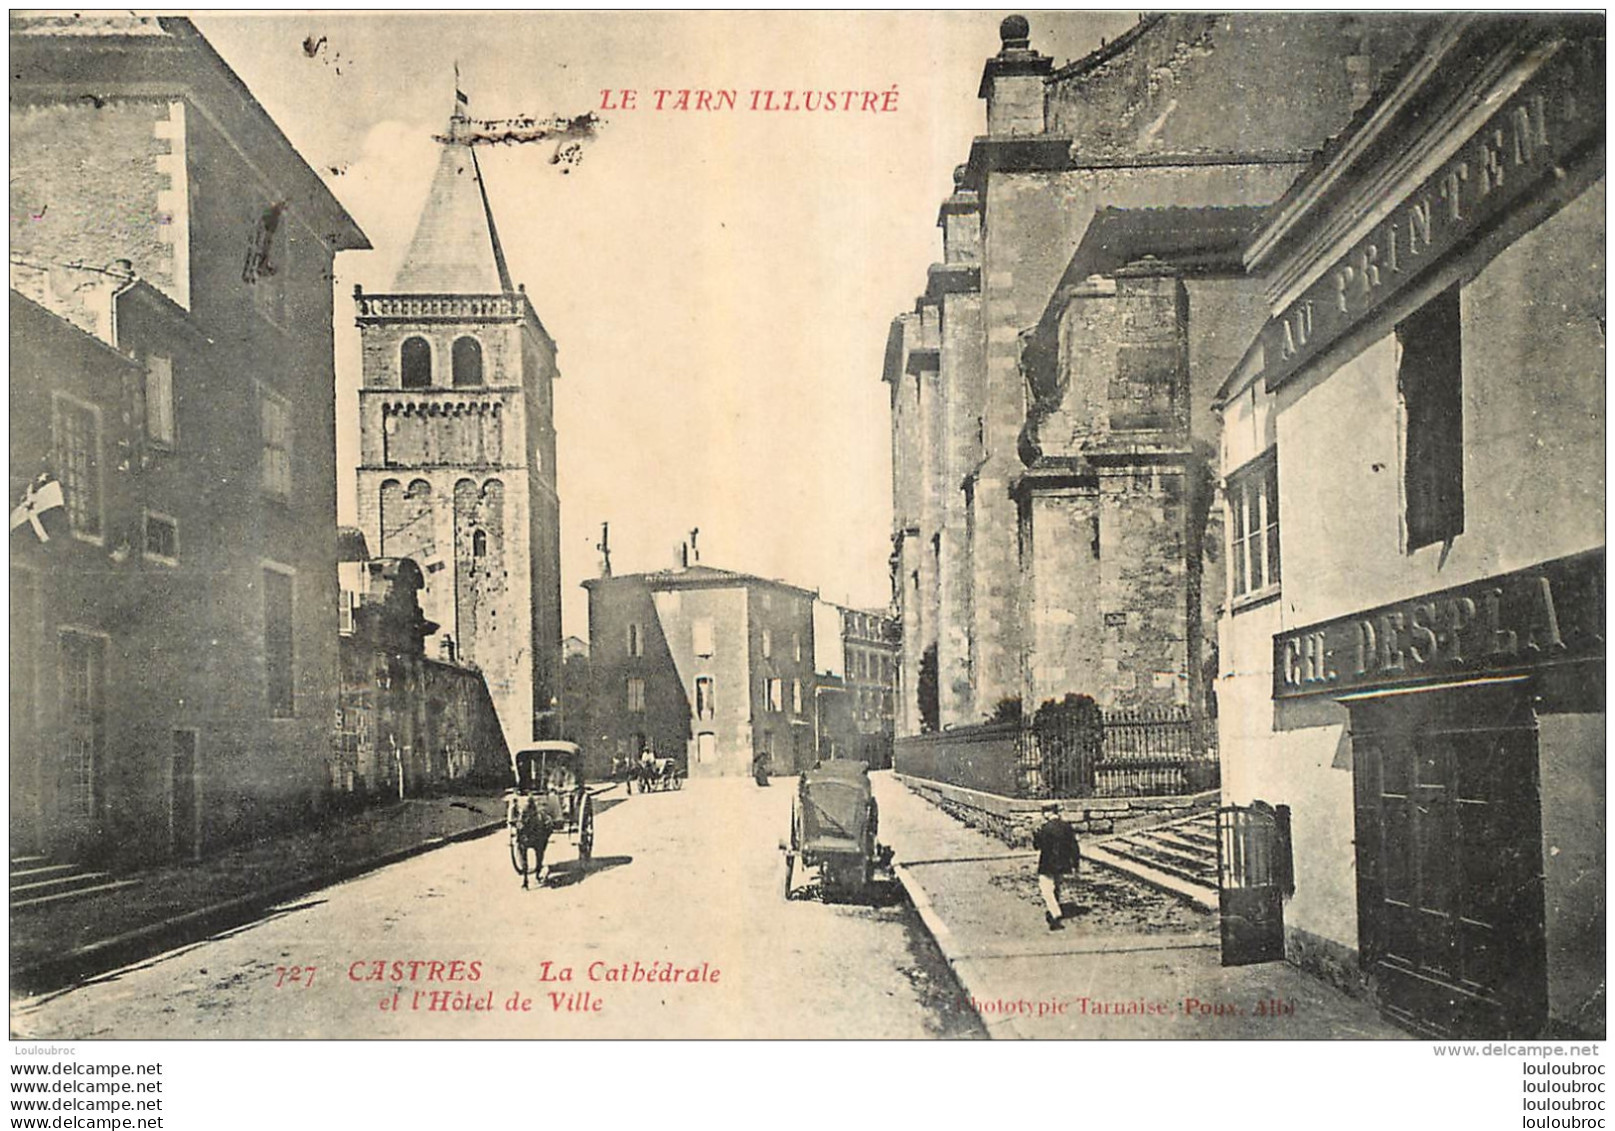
(1449, 859)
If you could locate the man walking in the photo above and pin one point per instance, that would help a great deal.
(1058, 856)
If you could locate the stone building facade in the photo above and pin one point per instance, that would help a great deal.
(457, 444)
(870, 653)
(408, 723)
(1053, 476)
(1413, 448)
(702, 665)
(174, 647)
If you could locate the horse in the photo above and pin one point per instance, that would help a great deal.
(535, 817)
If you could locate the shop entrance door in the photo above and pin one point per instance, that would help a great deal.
(1449, 859)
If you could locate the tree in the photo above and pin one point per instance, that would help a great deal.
(929, 693)
(1006, 710)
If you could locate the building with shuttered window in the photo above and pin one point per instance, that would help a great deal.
(174, 646)
(704, 666)
(1412, 646)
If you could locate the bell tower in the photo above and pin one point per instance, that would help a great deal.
(457, 442)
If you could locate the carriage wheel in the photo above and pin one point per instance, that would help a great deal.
(518, 855)
(586, 831)
(678, 781)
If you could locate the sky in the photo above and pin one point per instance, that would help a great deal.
(720, 283)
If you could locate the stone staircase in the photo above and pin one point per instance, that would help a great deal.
(1179, 857)
(35, 881)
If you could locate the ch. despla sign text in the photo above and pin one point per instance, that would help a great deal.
(1549, 614)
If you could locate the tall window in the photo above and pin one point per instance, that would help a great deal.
(83, 688)
(1253, 511)
(796, 646)
(76, 437)
(278, 681)
(701, 636)
(160, 401)
(768, 644)
(636, 641)
(1430, 377)
(796, 696)
(704, 707)
(636, 694)
(466, 360)
(415, 364)
(275, 427)
(776, 694)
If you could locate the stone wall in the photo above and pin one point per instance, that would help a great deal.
(1012, 819)
(980, 757)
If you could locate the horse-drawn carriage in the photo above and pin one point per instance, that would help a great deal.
(654, 775)
(550, 796)
(834, 819)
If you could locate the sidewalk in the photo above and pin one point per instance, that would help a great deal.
(1131, 962)
(57, 943)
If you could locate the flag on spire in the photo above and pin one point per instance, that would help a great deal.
(459, 95)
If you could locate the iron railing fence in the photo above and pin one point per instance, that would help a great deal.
(1078, 750)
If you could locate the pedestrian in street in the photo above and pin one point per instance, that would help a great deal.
(1058, 856)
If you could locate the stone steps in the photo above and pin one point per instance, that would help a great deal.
(1179, 857)
(36, 881)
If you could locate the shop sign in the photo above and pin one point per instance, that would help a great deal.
(1556, 113)
(1549, 614)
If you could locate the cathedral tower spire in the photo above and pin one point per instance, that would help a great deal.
(457, 442)
(456, 244)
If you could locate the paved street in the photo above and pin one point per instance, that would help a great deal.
(1130, 963)
(690, 878)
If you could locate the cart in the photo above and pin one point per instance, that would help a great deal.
(661, 775)
(834, 820)
(550, 797)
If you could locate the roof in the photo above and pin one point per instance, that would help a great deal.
(350, 545)
(697, 577)
(456, 248)
(23, 308)
(552, 744)
(1094, 59)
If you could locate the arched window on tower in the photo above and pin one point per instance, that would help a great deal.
(479, 544)
(415, 363)
(467, 361)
